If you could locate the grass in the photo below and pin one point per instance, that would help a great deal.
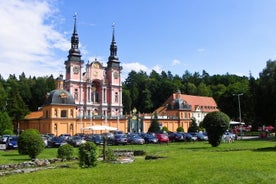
(239, 162)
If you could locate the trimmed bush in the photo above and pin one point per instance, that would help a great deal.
(215, 123)
(110, 155)
(65, 152)
(88, 154)
(30, 143)
(165, 129)
(180, 129)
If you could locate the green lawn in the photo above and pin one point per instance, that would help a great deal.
(239, 162)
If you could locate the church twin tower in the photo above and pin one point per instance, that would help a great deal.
(97, 89)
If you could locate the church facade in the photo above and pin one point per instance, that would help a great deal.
(97, 90)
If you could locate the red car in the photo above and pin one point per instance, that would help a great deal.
(162, 138)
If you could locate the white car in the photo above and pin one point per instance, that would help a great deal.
(229, 137)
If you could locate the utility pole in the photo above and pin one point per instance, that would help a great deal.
(238, 95)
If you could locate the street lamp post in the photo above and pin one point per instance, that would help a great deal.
(238, 95)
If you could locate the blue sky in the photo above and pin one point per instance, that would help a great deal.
(218, 36)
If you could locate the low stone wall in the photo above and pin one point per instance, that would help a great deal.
(28, 166)
(124, 156)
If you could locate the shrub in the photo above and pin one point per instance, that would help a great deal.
(180, 129)
(65, 152)
(154, 125)
(215, 123)
(30, 143)
(88, 155)
(165, 129)
(193, 127)
(110, 155)
(8, 132)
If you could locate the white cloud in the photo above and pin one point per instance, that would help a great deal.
(175, 62)
(29, 41)
(128, 67)
(157, 68)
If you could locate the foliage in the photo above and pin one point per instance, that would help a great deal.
(25, 93)
(3, 98)
(5, 123)
(180, 129)
(8, 132)
(193, 127)
(215, 123)
(88, 155)
(30, 143)
(165, 129)
(126, 100)
(16, 106)
(110, 155)
(65, 151)
(267, 94)
(154, 125)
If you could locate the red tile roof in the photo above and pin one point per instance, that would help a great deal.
(206, 104)
(34, 115)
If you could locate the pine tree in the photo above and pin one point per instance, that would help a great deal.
(154, 126)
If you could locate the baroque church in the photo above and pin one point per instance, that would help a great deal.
(90, 94)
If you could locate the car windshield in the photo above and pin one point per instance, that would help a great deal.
(57, 139)
(13, 138)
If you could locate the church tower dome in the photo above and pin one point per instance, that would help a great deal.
(59, 96)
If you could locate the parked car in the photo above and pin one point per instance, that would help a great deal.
(45, 140)
(65, 136)
(229, 137)
(202, 136)
(194, 136)
(162, 138)
(135, 139)
(266, 128)
(55, 142)
(76, 141)
(95, 138)
(117, 139)
(12, 142)
(149, 138)
(188, 137)
(4, 139)
(176, 136)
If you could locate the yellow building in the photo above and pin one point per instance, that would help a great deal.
(58, 116)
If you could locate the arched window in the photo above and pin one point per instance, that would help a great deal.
(116, 99)
(71, 127)
(76, 94)
(63, 113)
(72, 113)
